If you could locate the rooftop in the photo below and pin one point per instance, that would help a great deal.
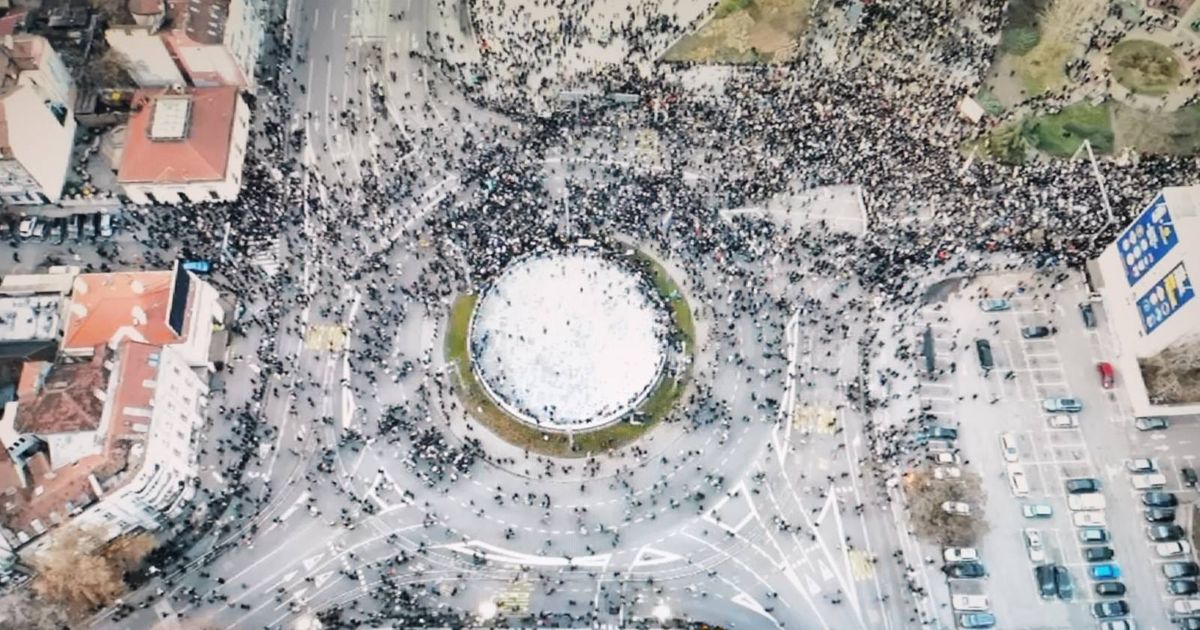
(30, 317)
(186, 140)
(67, 401)
(106, 306)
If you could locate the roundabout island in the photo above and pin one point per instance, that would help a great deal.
(571, 351)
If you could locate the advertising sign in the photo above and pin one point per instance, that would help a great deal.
(1145, 242)
(1165, 297)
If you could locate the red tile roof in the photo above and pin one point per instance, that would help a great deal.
(105, 304)
(201, 156)
(67, 401)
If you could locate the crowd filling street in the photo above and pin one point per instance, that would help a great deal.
(460, 164)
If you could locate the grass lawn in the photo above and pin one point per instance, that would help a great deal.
(1145, 67)
(1061, 134)
(745, 31)
(655, 408)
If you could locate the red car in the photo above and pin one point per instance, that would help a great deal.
(1106, 374)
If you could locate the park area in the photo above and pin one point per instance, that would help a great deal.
(745, 31)
(1043, 50)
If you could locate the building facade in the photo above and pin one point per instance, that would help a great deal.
(1144, 279)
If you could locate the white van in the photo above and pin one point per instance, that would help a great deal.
(1017, 480)
(1091, 501)
(1149, 481)
(969, 602)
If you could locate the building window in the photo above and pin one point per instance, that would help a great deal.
(213, 194)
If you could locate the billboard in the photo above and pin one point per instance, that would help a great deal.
(1145, 242)
(1164, 298)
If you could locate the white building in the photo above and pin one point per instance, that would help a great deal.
(185, 146)
(1149, 296)
(37, 126)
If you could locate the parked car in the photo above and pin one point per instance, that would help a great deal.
(969, 602)
(1188, 623)
(995, 304)
(1118, 624)
(1082, 485)
(1037, 510)
(1186, 606)
(1182, 587)
(957, 508)
(1107, 377)
(1110, 609)
(1173, 570)
(1158, 498)
(1171, 549)
(1110, 589)
(39, 231)
(1107, 571)
(960, 554)
(976, 620)
(1189, 476)
(59, 231)
(1148, 481)
(1098, 554)
(1089, 316)
(1036, 332)
(1141, 465)
(1090, 518)
(1151, 424)
(1033, 544)
(965, 570)
(1062, 421)
(1055, 405)
(1018, 481)
(984, 350)
(1008, 447)
(1043, 574)
(1092, 501)
(947, 472)
(106, 225)
(25, 229)
(1093, 535)
(1159, 515)
(1062, 582)
(1164, 533)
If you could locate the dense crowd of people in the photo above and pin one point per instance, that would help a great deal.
(883, 118)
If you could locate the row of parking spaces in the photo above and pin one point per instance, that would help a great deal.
(1175, 485)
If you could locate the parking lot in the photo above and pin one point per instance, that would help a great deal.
(1007, 400)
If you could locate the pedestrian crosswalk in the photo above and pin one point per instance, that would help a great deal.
(515, 598)
(861, 566)
(815, 419)
(267, 252)
(325, 337)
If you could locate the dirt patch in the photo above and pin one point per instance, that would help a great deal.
(746, 31)
(1173, 376)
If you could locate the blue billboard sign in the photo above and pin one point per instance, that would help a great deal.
(1145, 242)
(1164, 298)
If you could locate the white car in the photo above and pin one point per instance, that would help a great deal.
(1062, 421)
(945, 458)
(1186, 606)
(956, 507)
(1142, 465)
(1080, 502)
(1008, 447)
(969, 602)
(1033, 543)
(947, 472)
(1089, 519)
(1017, 480)
(1149, 481)
(960, 554)
(1169, 549)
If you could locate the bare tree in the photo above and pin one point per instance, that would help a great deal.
(926, 494)
(107, 71)
(20, 610)
(73, 572)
